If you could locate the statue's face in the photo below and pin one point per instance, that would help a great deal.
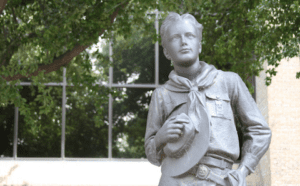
(182, 43)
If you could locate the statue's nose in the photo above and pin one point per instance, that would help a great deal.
(183, 41)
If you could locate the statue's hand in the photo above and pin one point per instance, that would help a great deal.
(170, 131)
(237, 177)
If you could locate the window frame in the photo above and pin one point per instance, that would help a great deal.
(110, 105)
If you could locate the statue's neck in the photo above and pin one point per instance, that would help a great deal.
(189, 72)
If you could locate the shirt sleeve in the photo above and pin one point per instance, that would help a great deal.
(154, 122)
(257, 134)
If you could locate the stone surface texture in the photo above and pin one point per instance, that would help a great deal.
(284, 121)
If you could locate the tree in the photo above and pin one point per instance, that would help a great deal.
(278, 22)
(61, 30)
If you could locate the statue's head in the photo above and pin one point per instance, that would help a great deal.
(181, 38)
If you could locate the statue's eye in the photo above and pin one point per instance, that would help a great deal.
(190, 35)
(175, 37)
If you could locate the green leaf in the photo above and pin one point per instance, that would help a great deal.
(298, 75)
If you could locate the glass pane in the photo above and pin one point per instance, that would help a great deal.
(136, 64)
(41, 138)
(86, 123)
(130, 117)
(165, 67)
(7, 120)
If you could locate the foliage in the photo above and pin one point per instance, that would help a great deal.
(278, 22)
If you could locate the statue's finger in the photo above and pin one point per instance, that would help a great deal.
(175, 131)
(181, 120)
(177, 126)
(174, 136)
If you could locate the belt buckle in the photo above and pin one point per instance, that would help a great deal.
(202, 172)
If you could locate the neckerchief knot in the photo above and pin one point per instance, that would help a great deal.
(194, 89)
(196, 98)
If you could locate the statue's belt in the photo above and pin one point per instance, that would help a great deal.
(203, 172)
(216, 162)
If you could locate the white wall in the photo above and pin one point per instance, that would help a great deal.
(90, 172)
(284, 120)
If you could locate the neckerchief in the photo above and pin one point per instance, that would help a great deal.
(196, 96)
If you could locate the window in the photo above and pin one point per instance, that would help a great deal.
(78, 130)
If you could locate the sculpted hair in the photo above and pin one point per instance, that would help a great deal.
(173, 17)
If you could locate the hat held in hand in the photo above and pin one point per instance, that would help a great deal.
(186, 152)
(177, 148)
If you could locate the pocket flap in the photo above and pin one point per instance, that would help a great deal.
(217, 96)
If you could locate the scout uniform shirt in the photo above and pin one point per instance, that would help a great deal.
(226, 97)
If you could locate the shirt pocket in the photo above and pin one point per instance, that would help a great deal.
(218, 106)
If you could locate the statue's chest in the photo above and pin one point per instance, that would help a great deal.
(216, 99)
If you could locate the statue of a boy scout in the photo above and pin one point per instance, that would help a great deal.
(190, 128)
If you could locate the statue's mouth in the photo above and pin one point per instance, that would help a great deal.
(185, 50)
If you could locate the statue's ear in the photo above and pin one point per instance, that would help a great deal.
(200, 47)
(167, 54)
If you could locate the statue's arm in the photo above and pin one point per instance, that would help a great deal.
(257, 134)
(154, 153)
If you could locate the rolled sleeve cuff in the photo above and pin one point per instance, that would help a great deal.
(153, 155)
(249, 161)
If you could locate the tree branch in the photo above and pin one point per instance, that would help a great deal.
(14, 16)
(65, 58)
(2, 5)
